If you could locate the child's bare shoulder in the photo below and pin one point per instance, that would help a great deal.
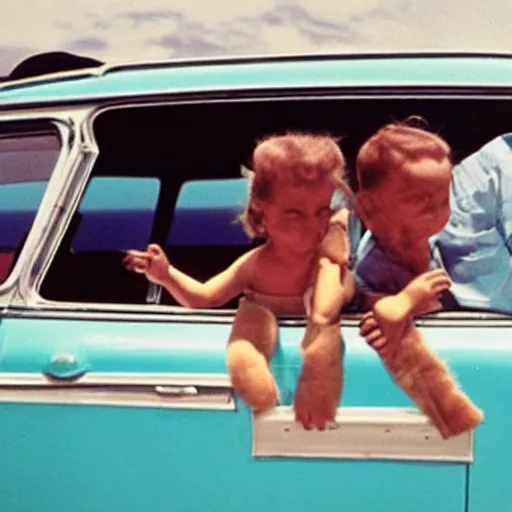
(248, 260)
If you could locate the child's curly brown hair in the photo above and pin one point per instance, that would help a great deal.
(299, 158)
(395, 144)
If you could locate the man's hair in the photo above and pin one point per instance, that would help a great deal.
(394, 145)
(296, 159)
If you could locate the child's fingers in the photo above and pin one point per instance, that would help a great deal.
(130, 259)
(136, 263)
(442, 286)
(367, 315)
(375, 338)
(138, 267)
(303, 416)
(137, 254)
(319, 422)
(154, 249)
(440, 283)
(367, 325)
(437, 274)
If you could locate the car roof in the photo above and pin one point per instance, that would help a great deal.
(113, 81)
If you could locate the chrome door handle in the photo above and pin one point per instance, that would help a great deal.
(177, 390)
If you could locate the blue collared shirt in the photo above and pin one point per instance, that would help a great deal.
(476, 244)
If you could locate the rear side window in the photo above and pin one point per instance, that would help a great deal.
(27, 159)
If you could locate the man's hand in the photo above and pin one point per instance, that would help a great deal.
(152, 262)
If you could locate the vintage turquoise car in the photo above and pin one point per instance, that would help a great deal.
(114, 398)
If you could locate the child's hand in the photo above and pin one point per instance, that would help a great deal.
(153, 263)
(335, 245)
(423, 292)
(369, 329)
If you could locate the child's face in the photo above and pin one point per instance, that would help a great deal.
(411, 206)
(297, 216)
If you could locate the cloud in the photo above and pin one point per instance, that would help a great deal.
(87, 44)
(158, 29)
(11, 55)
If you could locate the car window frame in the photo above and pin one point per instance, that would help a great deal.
(32, 300)
(17, 285)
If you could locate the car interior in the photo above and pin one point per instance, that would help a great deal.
(189, 148)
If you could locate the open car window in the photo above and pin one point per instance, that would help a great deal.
(164, 176)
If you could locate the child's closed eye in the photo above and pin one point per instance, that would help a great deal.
(293, 214)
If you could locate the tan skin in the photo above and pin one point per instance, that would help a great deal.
(389, 328)
(296, 219)
(420, 198)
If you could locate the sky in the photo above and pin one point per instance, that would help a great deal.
(129, 31)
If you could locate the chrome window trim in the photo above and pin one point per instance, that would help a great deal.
(16, 379)
(65, 122)
(175, 314)
(471, 90)
(71, 185)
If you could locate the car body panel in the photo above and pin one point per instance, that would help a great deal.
(126, 457)
(261, 75)
(150, 461)
(129, 407)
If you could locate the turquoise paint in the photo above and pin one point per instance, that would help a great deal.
(120, 458)
(264, 76)
(87, 458)
(131, 459)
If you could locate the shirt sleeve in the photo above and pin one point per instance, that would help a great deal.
(476, 243)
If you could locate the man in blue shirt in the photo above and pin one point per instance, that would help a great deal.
(475, 246)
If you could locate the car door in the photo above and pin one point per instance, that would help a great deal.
(122, 405)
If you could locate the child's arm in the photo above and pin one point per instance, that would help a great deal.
(417, 370)
(186, 290)
(319, 387)
(334, 287)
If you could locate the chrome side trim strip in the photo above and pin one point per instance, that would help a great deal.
(360, 433)
(118, 379)
(120, 397)
(168, 391)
